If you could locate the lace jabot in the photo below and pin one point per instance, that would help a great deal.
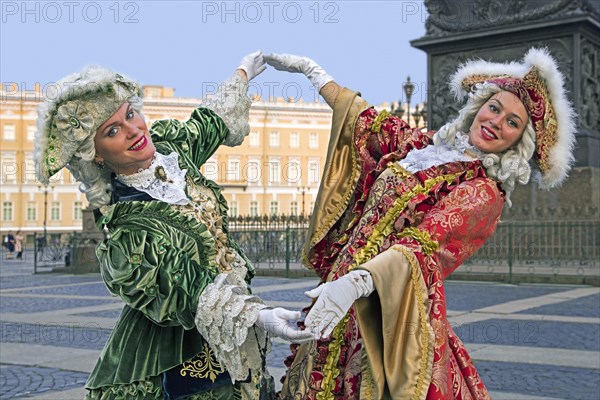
(421, 159)
(163, 180)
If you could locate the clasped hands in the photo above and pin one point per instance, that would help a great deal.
(334, 299)
(253, 65)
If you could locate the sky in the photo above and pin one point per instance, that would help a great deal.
(191, 45)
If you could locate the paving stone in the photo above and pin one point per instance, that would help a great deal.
(562, 335)
(95, 289)
(466, 296)
(84, 337)
(28, 384)
(588, 306)
(522, 379)
(540, 380)
(19, 305)
(102, 314)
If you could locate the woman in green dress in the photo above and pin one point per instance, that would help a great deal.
(191, 327)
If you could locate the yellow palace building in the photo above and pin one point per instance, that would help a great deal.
(276, 170)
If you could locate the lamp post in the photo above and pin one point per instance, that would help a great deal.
(45, 191)
(303, 190)
(409, 88)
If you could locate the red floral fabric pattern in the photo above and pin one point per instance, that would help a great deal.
(459, 212)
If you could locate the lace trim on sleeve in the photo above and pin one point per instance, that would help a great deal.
(226, 312)
(232, 104)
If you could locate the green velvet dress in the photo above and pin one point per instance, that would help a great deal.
(159, 260)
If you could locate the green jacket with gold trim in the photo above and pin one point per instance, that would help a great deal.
(159, 260)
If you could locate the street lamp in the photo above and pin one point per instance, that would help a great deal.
(46, 190)
(303, 190)
(409, 88)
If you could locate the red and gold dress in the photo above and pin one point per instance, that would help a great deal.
(410, 231)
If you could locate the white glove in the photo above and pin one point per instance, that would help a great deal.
(277, 321)
(253, 64)
(291, 63)
(335, 299)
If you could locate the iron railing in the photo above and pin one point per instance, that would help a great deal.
(275, 242)
(49, 251)
(554, 248)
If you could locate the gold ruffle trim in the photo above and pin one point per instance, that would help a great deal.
(423, 237)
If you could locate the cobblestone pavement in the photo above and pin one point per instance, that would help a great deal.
(529, 342)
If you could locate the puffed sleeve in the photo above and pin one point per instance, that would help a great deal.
(195, 140)
(153, 276)
(223, 118)
(232, 104)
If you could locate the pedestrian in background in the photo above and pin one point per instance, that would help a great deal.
(9, 243)
(19, 238)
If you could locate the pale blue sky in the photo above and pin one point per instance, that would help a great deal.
(190, 44)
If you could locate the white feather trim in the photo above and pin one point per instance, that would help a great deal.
(478, 67)
(560, 158)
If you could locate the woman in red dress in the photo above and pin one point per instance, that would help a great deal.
(399, 210)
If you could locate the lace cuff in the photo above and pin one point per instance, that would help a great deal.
(232, 104)
(226, 313)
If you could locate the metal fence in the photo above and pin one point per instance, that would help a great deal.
(516, 248)
(50, 251)
(523, 248)
(273, 242)
(549, 248)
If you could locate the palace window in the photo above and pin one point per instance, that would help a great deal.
(55, 211)
(313, 140)
(294, 140)
(31, 211)
(77, 214)
(7, 211)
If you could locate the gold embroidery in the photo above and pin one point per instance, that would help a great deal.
(423, 237)
(206, 366)
(469, 81)
(385, 226)
(368, 382)
(546, 128)
(204, 208)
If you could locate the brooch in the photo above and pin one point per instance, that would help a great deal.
(160, 174)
